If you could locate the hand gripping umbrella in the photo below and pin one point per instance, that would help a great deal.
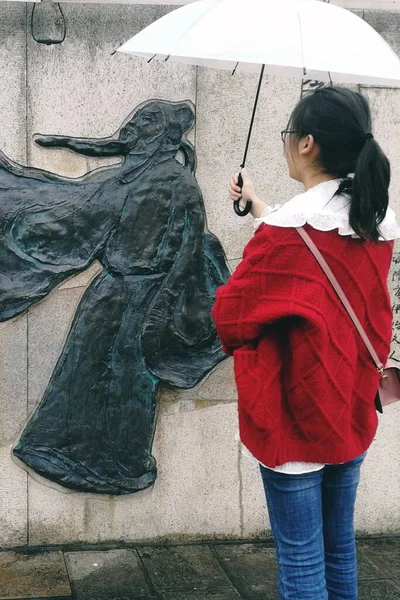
(296, 38)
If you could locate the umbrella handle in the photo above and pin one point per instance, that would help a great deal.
(236, 205)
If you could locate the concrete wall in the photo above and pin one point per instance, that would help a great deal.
(205, 486)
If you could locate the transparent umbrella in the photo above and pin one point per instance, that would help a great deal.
(295, 38)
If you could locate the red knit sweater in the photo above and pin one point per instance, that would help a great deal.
(305, 380)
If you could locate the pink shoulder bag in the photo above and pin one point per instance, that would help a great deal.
(389, 387)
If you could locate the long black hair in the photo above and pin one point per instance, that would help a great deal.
(340, 122)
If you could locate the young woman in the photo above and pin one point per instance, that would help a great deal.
(305, 380)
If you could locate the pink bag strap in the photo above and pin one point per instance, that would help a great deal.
(336, 286)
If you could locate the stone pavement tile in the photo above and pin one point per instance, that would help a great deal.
(252, 569)
(113, 575)
(378, 590)
(202, 595)
(385, 554)
(183, 568)
(367, 570)
(39, 575)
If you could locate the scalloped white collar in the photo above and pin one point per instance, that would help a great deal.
(321, 209)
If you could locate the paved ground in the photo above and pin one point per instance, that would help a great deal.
(213, 571)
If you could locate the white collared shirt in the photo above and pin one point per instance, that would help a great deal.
(320, 208)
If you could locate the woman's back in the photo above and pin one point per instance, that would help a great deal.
(306, 382)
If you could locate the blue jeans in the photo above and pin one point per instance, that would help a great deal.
(312, 521)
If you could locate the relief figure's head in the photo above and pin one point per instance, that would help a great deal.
(159, 125)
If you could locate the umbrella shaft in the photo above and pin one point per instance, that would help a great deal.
(253, 117)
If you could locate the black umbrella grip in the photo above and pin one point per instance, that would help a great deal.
(242, 212)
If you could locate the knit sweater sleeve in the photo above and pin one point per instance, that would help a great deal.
(264, 289)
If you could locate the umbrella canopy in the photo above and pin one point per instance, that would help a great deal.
(295, 38)
(309, 39)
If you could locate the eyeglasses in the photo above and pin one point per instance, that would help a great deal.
(285, 133)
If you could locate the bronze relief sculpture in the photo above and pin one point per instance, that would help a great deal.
(143, 322)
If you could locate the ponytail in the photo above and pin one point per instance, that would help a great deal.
(370, 197)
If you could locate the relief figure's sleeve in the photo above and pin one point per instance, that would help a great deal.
(179, 339)
(49, 231)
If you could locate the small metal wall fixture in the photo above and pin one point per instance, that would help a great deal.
(48, 24)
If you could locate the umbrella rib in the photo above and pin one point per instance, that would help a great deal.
(301, 43)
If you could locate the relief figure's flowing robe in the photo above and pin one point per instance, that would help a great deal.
(143, 321)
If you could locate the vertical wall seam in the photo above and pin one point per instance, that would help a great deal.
(26, 82)
(195, 105)
(27, 314)
(241, 507)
